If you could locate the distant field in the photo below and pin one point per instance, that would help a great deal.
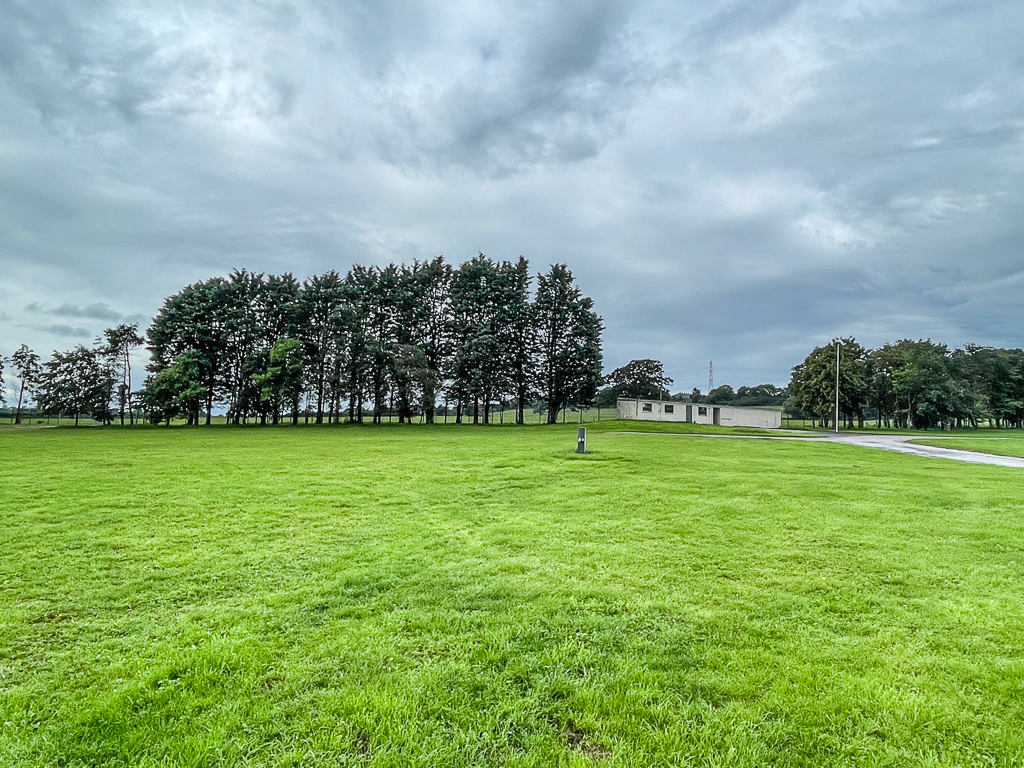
(409, 596)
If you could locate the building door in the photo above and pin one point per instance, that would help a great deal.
(689, 414)
(716, 416)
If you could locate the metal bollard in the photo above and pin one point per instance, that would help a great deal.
(581, 440)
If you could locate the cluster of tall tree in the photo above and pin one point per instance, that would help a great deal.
(400, 337)
(912, 384)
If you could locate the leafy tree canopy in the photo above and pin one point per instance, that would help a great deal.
(639, 378)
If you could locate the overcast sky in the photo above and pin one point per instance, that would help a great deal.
(734, 181)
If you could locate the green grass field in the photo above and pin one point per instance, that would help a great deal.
(1003, 442)
(480, 596)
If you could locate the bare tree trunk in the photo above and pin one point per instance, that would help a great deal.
(21, 394)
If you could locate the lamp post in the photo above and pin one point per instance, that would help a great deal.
(837, 388)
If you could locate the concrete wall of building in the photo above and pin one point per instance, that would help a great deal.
(698, 413)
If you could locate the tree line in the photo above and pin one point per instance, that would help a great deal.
(92, 381)
(646, 379)
(400, 338)
(911, 384)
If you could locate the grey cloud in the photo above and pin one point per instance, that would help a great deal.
(96, 311)
(731, 180)
(737, 20)
(555, 90)
(68, 332)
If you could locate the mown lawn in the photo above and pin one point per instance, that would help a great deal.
(1002, 442)
(483, 596)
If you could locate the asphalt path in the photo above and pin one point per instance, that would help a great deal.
(895, 443)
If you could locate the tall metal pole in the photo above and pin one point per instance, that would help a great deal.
(837, 386)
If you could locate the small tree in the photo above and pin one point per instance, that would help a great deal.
(640, 378)
(26, 365)
(120, 341)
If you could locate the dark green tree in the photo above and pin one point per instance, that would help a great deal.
(761, 395)
(200, 318)
(325, 318)
(568, 343)
(281, 383)
(425, 320)
(243, 298)
(478, 367)
(926, 392)
(813, 384)
(721, 395)
(639, 378)
(361, 286)
(518, 334)
(178, 390)
(995, 381)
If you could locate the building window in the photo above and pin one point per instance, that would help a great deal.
(702, 410)
(670, 409)
(647, 407)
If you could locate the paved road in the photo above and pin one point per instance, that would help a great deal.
(896, 443)
(902, 444)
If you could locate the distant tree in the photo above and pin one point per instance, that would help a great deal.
(78, 381)
(761, 395)
(281, 383)
(117, 345)
(199, 318)
(882, 364)
(518, 334)
(640, 378)
(324, 323)
(27, 368)
(178, 390)
(246, 306)
(606, 398)
(359, 351)
(475, 330)
(425, 313)
(926, 391)
(721, 395)
(413, 373)
(814, 382)
(3, 361)
(568, 342)
(382, 325)
(994, 379)
(477, 366)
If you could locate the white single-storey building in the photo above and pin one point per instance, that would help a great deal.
(641, 409)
